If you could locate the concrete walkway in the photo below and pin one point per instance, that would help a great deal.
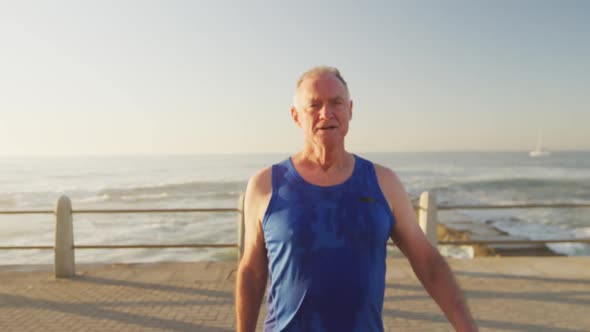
(505, 294)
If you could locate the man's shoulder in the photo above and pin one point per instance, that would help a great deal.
(261, 182)
(384, 174)
(388, 181)
(258, 192)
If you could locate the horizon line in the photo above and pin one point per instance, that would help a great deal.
(264, 153)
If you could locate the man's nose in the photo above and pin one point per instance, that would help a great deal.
(326, 112)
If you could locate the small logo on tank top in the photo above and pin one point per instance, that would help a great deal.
(366, 199)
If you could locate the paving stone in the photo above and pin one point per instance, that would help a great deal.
(507, 294)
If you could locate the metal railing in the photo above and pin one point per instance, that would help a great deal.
(426, 209)
(126, 211)
(513, 206)
(64, 262)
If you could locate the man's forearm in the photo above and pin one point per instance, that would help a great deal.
(250, 289)
(444, 289)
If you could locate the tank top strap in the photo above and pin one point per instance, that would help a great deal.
(280, 173)
(366, 176)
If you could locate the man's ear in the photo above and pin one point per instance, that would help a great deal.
(295, 116)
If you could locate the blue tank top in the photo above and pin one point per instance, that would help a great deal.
(326, 250)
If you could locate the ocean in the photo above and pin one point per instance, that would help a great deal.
(216, 181)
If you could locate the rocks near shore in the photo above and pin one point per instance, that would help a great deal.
(454, 226)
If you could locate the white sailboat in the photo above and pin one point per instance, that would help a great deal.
(539, 152)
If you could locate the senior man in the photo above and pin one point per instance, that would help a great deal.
(318, 224)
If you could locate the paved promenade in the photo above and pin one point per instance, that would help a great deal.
(505, 294)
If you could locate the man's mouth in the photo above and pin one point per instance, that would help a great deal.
(327, 128)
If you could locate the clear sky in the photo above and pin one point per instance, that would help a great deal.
(181, 77)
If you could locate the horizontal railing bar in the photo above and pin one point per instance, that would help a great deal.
(234, 245)
(510, 206)
(469, 242)
(157, 246)
(27, 247)
(124, 211)
(130, 246)
(474, 242)
(156, 210)
(27, 212)
(441, 207)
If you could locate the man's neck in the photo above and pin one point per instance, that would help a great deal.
(326, 159)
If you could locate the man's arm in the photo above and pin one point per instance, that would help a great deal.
(429, 266)
(253, 268)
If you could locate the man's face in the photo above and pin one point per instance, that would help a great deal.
(323, 109)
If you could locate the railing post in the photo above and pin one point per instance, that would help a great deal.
(64, 263)
(240, 227)
(427, 217)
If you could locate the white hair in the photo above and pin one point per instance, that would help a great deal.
(315, 72)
